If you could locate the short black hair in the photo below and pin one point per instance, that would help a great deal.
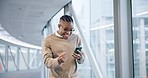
(66, 18)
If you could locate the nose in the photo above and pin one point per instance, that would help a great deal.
(67, 33)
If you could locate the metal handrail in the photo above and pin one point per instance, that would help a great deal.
(89, 52)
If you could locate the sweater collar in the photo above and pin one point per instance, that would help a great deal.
(58, 35)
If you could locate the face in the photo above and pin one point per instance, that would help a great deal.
(65, 29)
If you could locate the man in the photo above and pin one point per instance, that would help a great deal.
(58, 50)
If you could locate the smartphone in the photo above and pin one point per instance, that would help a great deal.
(78, 49)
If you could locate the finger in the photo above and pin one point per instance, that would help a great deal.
(62, 60)
(76, 56)
(79, 51)
(62, 54)
(74, 53)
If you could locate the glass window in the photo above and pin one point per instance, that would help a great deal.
(2, 58)
(96, 18)
(33, 56)
(23, 58)
(55, 20)
(140, 37)
(12, 52)
(103, 42)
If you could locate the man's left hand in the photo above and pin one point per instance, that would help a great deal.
(77, 56)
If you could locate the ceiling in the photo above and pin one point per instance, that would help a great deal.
(25, 19)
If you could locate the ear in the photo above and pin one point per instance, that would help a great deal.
(58, 25)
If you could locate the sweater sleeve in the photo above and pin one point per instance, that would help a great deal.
(48, 59)
(81, 60)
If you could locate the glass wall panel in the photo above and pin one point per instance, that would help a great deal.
(96, 19)
(12, 52)
(80, 7)
(140, 37)
(2, 58)
(23, 58)
(55, 20)
(102, 36)
(38, 59)
(33, 56)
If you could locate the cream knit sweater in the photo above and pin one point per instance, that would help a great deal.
(52, 46)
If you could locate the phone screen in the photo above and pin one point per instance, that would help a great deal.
(78, 49)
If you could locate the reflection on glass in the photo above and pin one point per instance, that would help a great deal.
(100, 35)
(140, 37)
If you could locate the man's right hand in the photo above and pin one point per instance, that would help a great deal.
(62, 58)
